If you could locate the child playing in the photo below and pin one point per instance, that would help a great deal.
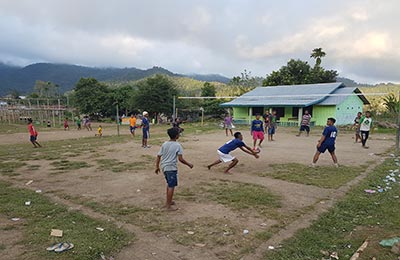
(33, 134)
(170, 152)
(272, 126)
(132, 124)
(66, 125)
(224, 151)
(99, 131)
(327, 141)
(365, 127)
(257, 131)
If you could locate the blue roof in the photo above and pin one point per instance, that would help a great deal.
(293, 95)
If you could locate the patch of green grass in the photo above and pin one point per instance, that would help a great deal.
(33, 167)
(65, 165)
(357, 217)
(2, 247)
(242, 195)
(118, 166)
(8, 168)
(322, 176)
(38, 219)
(238, 196)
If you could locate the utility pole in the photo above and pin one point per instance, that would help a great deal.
(398, 126)
(173, 110)
(117, 118)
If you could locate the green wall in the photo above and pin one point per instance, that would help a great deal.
(321, 113)
(348, 109)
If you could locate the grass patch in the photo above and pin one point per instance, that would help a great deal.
(33, 167)
(118, 166)
(8, 168)
(356, 217)
(322, 176)
(65, 165)
(38, 219)
(238, 196)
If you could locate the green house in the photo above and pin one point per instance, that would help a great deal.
(321, 100)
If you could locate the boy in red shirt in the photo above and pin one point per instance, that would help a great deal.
(33, 134)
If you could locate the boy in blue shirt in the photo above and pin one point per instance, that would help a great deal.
(327, 142)
(169, 154)
(231, 145)
(145, 129)
(257, 131)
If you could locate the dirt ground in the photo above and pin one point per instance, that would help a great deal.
(141, 187)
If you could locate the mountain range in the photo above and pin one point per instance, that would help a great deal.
(22, 79)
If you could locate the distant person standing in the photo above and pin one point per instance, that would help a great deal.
(365, 127)
(78, 123)
(33, 134)
(327, 142)
(357, 126)
(305, 123)
(272, 126)
(66, 126)
(266, 120)
(228, 124)
(132, 124)
(257, 131)
(145, 129)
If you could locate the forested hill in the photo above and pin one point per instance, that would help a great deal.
(22, 79)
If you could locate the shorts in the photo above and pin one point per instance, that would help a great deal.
(132, 128)
(172, 178)
(258, 135)
(305, 128)
(323, 147)
(146, 134)
(271, 130)
(33, 138)
(225, 157)
(229, 126)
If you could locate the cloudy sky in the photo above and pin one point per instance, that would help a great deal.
(361, 37)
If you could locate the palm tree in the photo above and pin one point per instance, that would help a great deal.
(317, 54)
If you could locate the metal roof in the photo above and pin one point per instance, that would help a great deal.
(294, 95)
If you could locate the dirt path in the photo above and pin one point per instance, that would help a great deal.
(140, 187)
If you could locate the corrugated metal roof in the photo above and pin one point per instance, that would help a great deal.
(293, 95)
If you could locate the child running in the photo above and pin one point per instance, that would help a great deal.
(99, 131)
(257, 131)
(170, 152)
(228, 147)
(33, 134)
(327, 141)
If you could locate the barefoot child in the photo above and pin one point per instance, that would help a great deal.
(169, 154)
(224, 151)
(33, 134)
(99, 131)
(257, 131)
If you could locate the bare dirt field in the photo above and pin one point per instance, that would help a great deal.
(203, 227)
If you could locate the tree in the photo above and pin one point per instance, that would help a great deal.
(93, 98)
(317, 54)
(245, 82)
(124, 95)
(46, 89)
(299, 72)
(211, 106)
(155, 95)
(392, 103)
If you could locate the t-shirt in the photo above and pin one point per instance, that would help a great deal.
(145, 123)
(231, 145)
(132, 121)
(32, 130)
(272, 121)
(169, 155)
(365, 123)
(257, 125)
(306, 120)
(330, 133)
(100, 130)
(228, 120)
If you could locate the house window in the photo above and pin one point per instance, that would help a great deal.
(257, 110)
(280, 111)
(295, 111)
